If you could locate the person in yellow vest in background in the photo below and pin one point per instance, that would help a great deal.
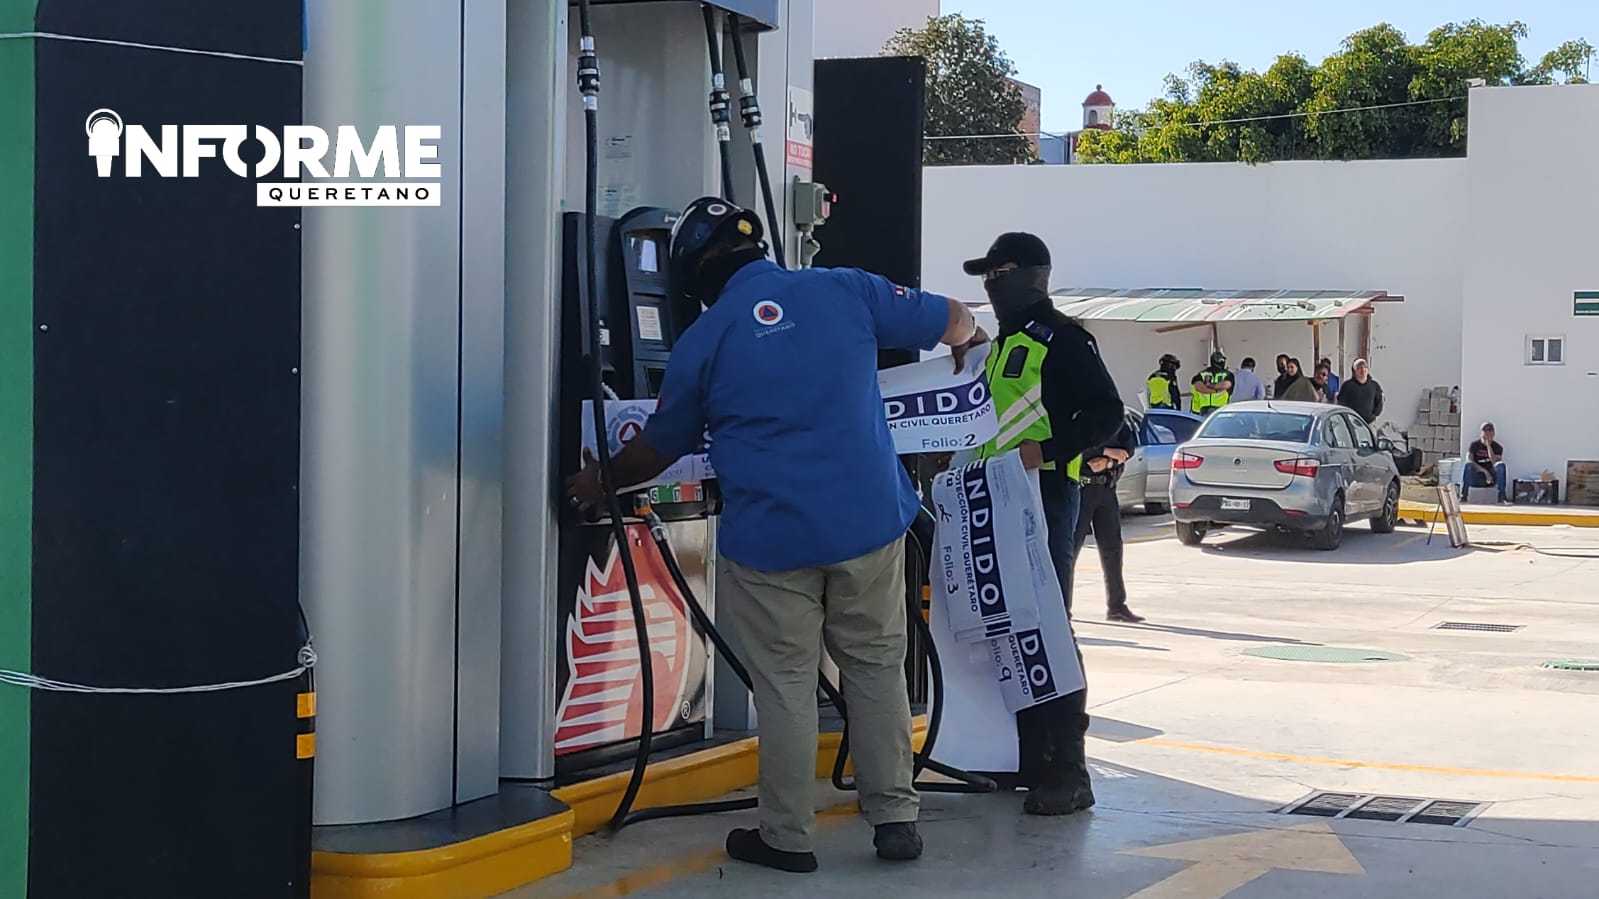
(1055, 400)
(1213, 386)
(1163, 390)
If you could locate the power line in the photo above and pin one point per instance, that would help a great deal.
(1263, 118)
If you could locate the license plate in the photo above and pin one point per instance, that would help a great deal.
(1235, 505)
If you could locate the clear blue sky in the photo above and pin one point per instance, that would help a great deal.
(1067, 46)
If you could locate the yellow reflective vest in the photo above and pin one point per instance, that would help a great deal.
(1015, 378)
(1207, 402)
(1162, 392)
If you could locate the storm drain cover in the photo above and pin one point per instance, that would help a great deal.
(1398, 809)
(1323, 654)
(1474, 626)
(1572, 664)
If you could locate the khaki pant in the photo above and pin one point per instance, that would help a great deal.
(858, 607)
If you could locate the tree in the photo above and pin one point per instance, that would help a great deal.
(1378, 97)
(969, 92)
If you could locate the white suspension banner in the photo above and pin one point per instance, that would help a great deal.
(932, 409)
(986, 681)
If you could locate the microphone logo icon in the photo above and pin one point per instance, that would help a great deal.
(104, 128)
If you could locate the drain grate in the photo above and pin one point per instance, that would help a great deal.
(1474, 626)
(1400, 809)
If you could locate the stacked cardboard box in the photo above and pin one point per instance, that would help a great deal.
(1437, 429)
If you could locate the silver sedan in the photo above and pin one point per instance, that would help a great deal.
(1146, 479)
(1284, 466)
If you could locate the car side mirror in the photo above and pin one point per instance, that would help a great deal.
(1384, 444)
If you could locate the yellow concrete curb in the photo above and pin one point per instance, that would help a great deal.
(499, 862)
(1504, 516)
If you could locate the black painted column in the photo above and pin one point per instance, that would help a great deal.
(166, 340)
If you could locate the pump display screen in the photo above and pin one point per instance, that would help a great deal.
(646, 254)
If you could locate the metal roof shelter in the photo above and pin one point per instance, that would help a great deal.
(1182, 308)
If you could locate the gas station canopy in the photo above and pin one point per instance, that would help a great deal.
(1194, 307)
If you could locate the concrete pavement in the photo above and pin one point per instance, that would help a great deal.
(1199, 745)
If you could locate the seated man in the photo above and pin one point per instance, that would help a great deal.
(1485, 465)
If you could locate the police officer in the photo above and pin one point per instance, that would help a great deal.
(1213, 386)
(1163, 390)
(781, 370)
(1101, 515)
(1054, 400)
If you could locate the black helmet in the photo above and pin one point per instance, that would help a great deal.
(1169, 361)
(706, 223)
(1218, 359)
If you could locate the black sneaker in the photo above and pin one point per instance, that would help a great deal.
(1124, 615)
(747, 846)
(898, 842)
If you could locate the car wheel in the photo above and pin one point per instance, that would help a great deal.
(1156, 508)
(1389, 519)
(1331, 534)
(1190, 534)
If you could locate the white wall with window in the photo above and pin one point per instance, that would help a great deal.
(1530, 362)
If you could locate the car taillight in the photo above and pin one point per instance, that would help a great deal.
(1299, 468)
(1186, 461)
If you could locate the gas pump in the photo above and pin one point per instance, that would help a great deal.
(600, 707)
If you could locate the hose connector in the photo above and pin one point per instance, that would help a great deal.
(721, 109)
(588, 73)
(749, 106)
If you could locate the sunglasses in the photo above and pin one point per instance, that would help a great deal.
(1003, 268)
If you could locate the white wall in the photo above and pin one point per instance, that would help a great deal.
(861, 27)
(1533, 222)
(1397, 226)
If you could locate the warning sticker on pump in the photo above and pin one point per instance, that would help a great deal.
(649, 323)
(801, 128)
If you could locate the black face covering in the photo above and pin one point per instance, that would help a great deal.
(716, 271)
(1014, 292)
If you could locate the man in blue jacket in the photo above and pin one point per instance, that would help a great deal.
(781, 370)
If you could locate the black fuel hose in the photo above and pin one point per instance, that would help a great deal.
(588, 80)
(721, 104)
(750, 108)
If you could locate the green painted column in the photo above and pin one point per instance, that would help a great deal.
(16, 431)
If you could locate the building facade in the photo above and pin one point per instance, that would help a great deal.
(1492, 254)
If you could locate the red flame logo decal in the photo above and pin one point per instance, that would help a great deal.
(602, 700)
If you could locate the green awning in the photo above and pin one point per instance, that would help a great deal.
(1198, 307)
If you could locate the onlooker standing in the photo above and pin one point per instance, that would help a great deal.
(1247, 384)
(1334, 383)
(1324, 392)
(1362, 394)
(1281, 384)
(1485, 465)
(1294, 387)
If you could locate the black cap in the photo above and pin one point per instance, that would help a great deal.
(1015, 247)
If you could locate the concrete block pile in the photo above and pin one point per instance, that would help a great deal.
(1436, 431)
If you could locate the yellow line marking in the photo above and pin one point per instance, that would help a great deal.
(694, 863)
(1375, 766)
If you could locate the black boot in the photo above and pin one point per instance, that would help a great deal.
(1123, 614)
(898, 842)
(747, 846)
